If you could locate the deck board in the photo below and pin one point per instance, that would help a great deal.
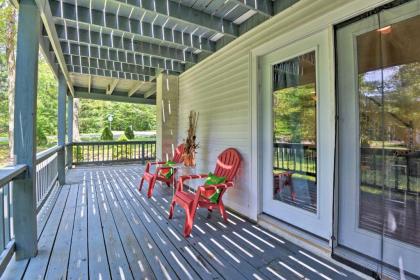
(220, 261)
(138, 262)
(200, 265)
(176, 260)
(78, 262)
(57, 267)
(117, 259)
(38, 266)
(97, 255)
(100, 227)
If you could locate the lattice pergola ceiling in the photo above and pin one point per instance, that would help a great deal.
(117, 47)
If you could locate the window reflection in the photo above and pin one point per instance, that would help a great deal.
(294, 125)
(389, 100)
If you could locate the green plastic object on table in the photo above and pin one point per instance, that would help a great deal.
(168, 170)
(213, 195)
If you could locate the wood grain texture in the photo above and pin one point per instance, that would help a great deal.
(102, 227)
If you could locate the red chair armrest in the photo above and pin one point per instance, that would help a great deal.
(162, 168)
(156, 162)
(184, 178)
(150, 163)
(214, 187)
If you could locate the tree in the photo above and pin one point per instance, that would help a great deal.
(76, 109)
(47, 102)
(8, 27)
(295, 114)
(129, 133)
(93, 116)
(107, 134)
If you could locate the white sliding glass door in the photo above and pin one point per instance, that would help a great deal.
(378, 62)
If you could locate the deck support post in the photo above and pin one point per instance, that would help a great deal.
(70, 103)
(61, 156)
(167, 96)
(24, 189)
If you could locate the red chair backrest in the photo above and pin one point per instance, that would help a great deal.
(228, 163)
(178, 153)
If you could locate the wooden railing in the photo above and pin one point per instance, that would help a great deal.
(298, 158)
(7, 243)
(46, 174)
(402, 169)
(46, 179)
(109, 152)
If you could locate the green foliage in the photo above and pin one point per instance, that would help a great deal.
(6, 11)
(122, 138)
(400, 106)
(107, 134)
(295, 114)
(93, 116)
(78, 154)
(47, 103)
(129, 133)
(41, 138)
(122, 151)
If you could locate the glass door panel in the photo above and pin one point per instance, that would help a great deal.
(296, 107)
(389, 115)
(294, 131)
(379, 137)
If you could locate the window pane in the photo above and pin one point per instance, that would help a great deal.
(294, 113)
(389, 100)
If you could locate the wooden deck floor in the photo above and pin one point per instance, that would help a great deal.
(100, 227)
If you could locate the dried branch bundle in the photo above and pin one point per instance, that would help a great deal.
(191, 145)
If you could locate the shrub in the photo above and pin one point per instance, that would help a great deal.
(41, 138)
(78, 154)
(123, 151)
(107, 134)
(129, 133)
(122, 138)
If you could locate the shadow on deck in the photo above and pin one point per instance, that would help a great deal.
(100, 227)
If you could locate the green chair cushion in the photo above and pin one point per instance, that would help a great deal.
(213, 195)
(167, 172)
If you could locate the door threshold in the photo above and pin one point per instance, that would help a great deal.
(368, 265)
(299, 237)
(307, 241)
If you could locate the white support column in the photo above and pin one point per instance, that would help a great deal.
(70, 103)
(61, 124)
(167, 95)
(24, 189)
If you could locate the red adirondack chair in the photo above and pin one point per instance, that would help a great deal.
(152, 177)
(227, 165)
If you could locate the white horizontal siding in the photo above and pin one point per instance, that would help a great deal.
(219, 89)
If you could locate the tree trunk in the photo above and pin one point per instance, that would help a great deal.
(11, 69)
(76, 133)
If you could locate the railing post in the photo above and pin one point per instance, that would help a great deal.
(61, 124)
(70, 130)
(24, 191)
(142, 154)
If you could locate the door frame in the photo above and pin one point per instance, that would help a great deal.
(322, 43)
(370, 240)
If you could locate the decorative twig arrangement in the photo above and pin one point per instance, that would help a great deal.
(190, 143)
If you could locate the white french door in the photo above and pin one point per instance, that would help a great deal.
(379, 136)
(297, 133)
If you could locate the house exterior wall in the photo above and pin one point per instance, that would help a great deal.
(224, 90)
